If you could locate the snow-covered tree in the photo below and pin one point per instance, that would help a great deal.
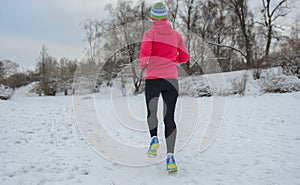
(47, 68)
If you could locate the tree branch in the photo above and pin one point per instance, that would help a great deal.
(260, 23)
(277, 7)
(280, 15)
(225, 46)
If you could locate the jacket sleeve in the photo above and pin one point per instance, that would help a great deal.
(183, 55)
(146, 50)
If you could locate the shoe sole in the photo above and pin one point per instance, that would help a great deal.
(152, 152)
(172, 171)
(172, 168)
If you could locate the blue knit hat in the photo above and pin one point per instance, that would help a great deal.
(159, 11)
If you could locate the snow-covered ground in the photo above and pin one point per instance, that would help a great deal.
(259, 143)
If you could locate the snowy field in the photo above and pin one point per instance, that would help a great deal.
(259, 143)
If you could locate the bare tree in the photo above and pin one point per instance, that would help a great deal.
(289, 55)
(246, 24)
(173, 6)
(94, 30)
(295, 33)
(143, 13)
(213, 27)
(270, 15)
(189, 18)
(126, 32)
(67, 70)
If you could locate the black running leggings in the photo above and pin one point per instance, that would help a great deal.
(168, 88)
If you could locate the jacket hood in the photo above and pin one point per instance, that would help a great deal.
(162, 27)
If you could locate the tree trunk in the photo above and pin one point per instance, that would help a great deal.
(268, 45)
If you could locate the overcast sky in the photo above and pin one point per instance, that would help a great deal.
(25, 25)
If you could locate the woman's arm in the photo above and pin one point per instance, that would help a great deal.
(183, 55)
(146, 50)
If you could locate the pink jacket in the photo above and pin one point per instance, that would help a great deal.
(162, 48)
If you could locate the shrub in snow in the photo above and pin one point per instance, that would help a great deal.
(291, 67)
(28, 90)
(85, 85)
(5, 92)
(256, 72)
(194, 86)
(239, 85)
(221, 91)
(277, 82)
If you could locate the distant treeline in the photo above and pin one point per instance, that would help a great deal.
(226, 33)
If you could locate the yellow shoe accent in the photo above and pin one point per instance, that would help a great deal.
(171, 166)
(155, 147)
(172, 170)
(152, 152)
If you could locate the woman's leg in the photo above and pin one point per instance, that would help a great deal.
(152, 92)
(170, 96)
